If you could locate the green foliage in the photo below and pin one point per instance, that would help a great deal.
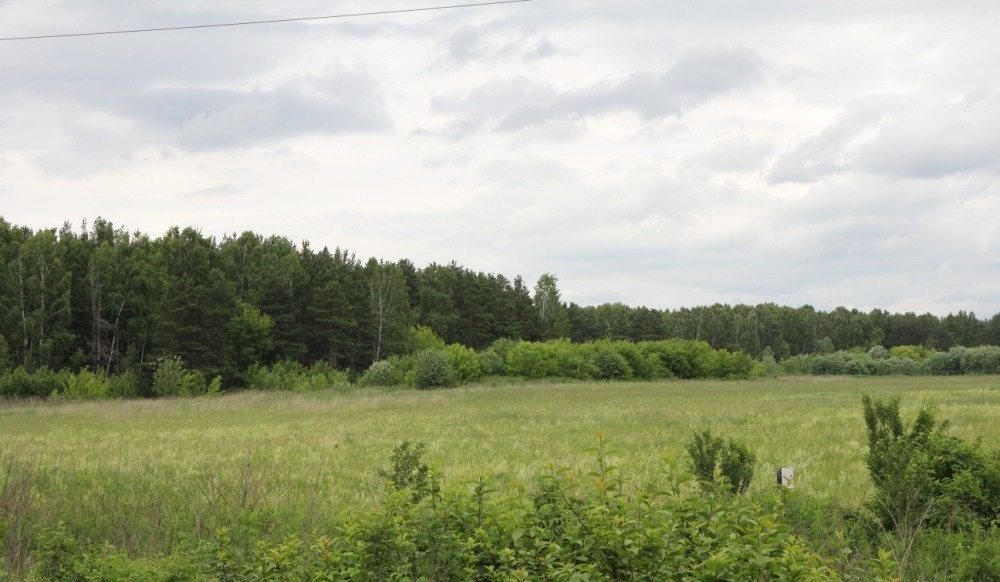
(41, 383)
(878, 353)
(824, 346)
(5, 361)
(381, 373)
(915, 353)
(529, 360)
(493, 360)
(85, 385)
(289, 375)
(924, 476)
(713, 458)
(250, 337)
(408, 472)
(943, 363)
(610, 364)
(423, 338)
(168, 379)
(466, 366)
(569, 526)
(432, 369)
(981, 360)
(63, 557)
(771, 366)
(124, 385)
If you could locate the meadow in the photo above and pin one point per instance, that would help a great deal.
(148, 475)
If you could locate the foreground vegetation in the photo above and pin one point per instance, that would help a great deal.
(179, 481)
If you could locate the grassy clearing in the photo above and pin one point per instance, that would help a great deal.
(328, 445)
(152, 475)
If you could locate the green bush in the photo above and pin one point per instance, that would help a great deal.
(408, 472)
(981, 360)
(570, 525)
(20, 383)
(465, 364)
(291, 375)
(610, 364)
(714, 457)
(924, 476)
(431, 369)
(124, 385)
(943, 363)
(530, 360)
(85, 385)
(380, 373)
(168, 379)
(896, 366)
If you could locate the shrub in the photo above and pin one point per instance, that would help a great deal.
(41, 383)
(981, 360)
(569, 526)
(733, 461)
(85, 385)
(915, 353)
(895, 366)
(421, 337)
(771, 366)
(942, 363)
(431, 369)
(193, 384)
(168, 379)
(464, 362)
(124, 385)
(291, 375)
(530, 360)
(878, 353)
(380, 373)
(610, 364)
(924, 476)
(492, 363)
(408, 471)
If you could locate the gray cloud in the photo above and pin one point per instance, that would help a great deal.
(214, 191)
(208, 118)
(498, 40)
(834, 150)
(928, 142)
(696, 78)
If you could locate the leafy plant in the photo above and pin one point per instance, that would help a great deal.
(380, 373)
(714, 458)
(432, 369)
(925, 478)
(408, 471)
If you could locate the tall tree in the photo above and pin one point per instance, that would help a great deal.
(553, 322)
(36, 300)
(390, 307)
(199, 303)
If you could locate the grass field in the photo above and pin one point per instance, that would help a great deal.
(143, 474)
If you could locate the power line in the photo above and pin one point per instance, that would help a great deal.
(274, 21)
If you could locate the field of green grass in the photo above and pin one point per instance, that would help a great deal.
(146, 474)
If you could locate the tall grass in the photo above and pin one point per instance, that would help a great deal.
(152, 475)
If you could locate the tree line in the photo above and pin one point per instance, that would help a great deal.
(108, 300)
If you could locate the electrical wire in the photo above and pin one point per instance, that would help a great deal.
(274, 21)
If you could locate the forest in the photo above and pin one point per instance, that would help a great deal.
(107, 300)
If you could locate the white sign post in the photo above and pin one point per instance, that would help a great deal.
(786, 477)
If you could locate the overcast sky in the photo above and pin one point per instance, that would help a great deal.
(652, 152)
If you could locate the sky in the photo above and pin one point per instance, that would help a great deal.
(650, 152)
